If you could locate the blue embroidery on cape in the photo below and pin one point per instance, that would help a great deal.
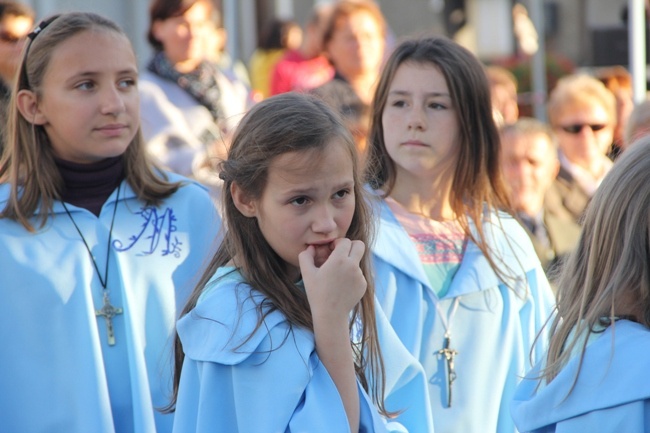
(154, 229)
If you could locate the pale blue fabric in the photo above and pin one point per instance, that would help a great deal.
(611, 394)
(493, 329)
(57, 372)
(236, 378)
(406, 385)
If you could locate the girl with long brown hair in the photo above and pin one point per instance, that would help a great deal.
(265, 342)
(456, 275)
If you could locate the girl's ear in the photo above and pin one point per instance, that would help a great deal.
(27, 104)
(243, 203)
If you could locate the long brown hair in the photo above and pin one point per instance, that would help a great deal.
(477, 187)
(608, 274)
(28, 160)
(285, 123)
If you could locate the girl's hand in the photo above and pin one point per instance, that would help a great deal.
(335, 287)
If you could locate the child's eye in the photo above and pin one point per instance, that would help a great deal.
(299, 201)
(341, 194)
(437, 106)
(86, 85)
(398, 103)
(127, 82)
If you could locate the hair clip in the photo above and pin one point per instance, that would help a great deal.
(41, 26)
(24, 79)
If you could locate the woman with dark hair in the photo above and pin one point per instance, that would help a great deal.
(188, 105)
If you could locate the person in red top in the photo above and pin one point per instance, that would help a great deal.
(305, 68)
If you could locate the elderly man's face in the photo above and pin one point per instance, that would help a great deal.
(530, 165)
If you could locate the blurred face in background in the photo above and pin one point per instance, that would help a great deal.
(357, 44)
(312, 38)
(504, 103)
(13, 34)
(184, 37)
(585, 132)
(530, 165)
(294, 38)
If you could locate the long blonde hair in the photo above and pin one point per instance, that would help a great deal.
(285, 123)
(609, 272)
(27, 163)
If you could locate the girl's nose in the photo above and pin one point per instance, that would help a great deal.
(324, 221)
(113, 101)
(416, 119)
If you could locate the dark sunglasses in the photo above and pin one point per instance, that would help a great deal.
(10, 38)
(577, 128)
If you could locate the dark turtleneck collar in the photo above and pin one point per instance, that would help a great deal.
(89, 185)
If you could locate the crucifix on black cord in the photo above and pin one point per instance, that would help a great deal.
(108, 311)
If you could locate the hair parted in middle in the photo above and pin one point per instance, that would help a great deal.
(289, 122)
(477, 187)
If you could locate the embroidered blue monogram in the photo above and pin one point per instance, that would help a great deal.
(154, 229)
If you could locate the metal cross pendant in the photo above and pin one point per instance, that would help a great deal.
(108, 312)
(449, 355)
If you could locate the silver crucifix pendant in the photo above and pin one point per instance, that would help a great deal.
(108, 312)
(449, 355)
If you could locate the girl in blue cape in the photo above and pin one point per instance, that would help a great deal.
(98, 246)
(595, 376)
(280, 333)
(456, 275)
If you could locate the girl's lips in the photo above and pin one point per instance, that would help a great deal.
(321, 243)
(414, 143)
(112, 130)
(113, 126)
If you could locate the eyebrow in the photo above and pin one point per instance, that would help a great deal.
(310, 191)
(429, 94)
(92, 74)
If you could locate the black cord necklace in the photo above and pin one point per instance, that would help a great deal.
(108, 311)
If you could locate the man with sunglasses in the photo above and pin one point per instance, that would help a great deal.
(16, 21)
(582, 112)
